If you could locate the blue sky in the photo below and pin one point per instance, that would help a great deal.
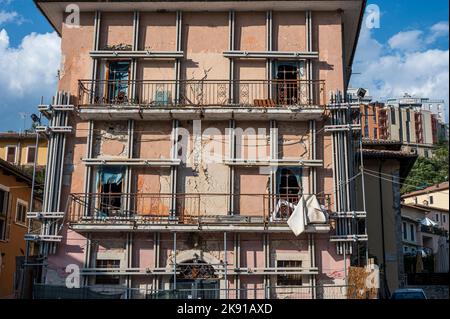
(388, 59)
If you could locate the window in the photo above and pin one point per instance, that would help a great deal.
(111, 181)
(287, 75)
(412, 233)
(289, 280)
(405, 234)
(288, 190)
(374, 115)
(118, 78)
(375, 133)
(21, 212)
(431, 200)
(11, 154)
(31, 153)
(436, 217)
(444, 219)
(3, 212)
(107, 279)
(393, 121)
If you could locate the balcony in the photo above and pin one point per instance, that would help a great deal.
(155, 97)
(185, 211)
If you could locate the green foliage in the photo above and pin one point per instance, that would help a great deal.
(428, 171)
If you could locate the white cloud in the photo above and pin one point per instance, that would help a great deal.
(10, 17)
(405, 64)
(28, 72)
(437, 31)
(407, 40)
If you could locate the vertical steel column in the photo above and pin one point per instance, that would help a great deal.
(269, 40)
(309, 48)
(174, 260)
(88, 168)
(273, 140)
(231, 47)
(179, 27)
(95, 47)
(225, 261)
(87, 257)
(231, 169)
(174, 169)
(237, 264)
(134, 61)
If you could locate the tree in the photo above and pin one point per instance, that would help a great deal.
(428, 171)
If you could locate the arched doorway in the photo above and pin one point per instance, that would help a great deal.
(196, 279)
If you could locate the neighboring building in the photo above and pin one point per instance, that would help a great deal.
(15, 194)
(421, 235)
(418, 129)
(435, 196)
(385, 168)
(20, 148)
(435, 106)
(148, 90)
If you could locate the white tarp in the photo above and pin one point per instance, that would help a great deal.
(297, 220)
(427, 222)
(315, 212)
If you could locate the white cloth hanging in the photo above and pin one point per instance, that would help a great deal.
(315, 213)
(296, 221)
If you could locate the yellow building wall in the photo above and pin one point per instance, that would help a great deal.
(14, 243)
(22, 150)
(440, 199)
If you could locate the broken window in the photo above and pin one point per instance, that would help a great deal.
(111, 182)
(286, 279)
(11, 154)
(118, 81)
(287, 76)
(107, 279)
(288, 191)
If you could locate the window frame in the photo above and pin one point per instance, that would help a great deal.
(289, 280)
(4, 212)
(23, 203)
(28, 154)
(412, 232)
(7, 147)
(115, 279)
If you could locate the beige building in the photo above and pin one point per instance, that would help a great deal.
(435, 196)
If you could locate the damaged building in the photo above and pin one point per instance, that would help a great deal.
(190, 138)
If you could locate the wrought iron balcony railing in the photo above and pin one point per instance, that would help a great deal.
(203, 93)
(190, 209)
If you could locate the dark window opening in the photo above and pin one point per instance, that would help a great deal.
(11, 154)
(393, 121)
(286, 279)
(107, 279)
(405, 234)
(3, 213)
(431, 200)
(412, 235)
(111, 183)
(287, 76)
(21, 213)
(31, 154)
(289, 191)
(118, 81)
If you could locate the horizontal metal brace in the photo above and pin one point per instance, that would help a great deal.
(54, 129)
(348, 238)
(353, 214)
(344, 127)
(280, 162)
(270, 55)
(42, 215)
(138, 54)
(132, 162)
(47, 238)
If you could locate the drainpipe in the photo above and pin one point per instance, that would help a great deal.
(386, 287)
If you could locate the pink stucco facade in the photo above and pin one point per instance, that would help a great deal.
(207, 167)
